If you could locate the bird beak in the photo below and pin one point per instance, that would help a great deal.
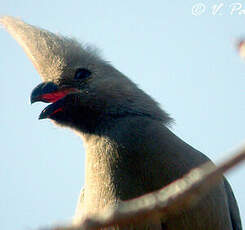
(49, 92)
(44, 92)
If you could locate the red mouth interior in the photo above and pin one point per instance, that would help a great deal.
(57, 95)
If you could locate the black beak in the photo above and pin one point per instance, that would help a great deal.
(41, 90)
(51, 93)
(52, 109)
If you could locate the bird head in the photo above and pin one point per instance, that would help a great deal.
(83, 90)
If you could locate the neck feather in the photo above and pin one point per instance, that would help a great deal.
(114, 164)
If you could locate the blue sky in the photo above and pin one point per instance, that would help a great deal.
(188, 63)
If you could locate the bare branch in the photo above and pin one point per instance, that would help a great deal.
(241, 48)
(179, 195)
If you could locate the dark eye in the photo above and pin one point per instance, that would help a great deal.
(82, 73)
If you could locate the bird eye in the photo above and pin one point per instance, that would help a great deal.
(82, 73)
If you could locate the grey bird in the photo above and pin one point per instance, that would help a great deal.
(130, 149)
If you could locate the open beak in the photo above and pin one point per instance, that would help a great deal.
(49, 92)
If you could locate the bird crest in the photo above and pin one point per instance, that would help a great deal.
(51, 54)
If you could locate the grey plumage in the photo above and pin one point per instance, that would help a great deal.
(129, 149)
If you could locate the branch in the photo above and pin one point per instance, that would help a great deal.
(241, 48)
(167, 202)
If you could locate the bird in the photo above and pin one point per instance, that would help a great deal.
(130, 148)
